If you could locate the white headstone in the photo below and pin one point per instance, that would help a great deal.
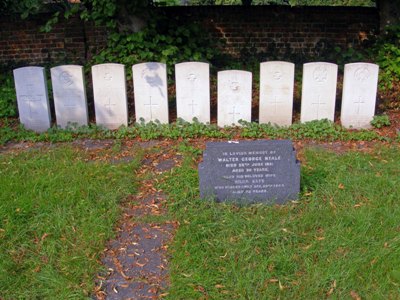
(193, 91)
(151, 95)
(234, 97)
(69, 95)
(318, 91)
(109, 92)
(32, 98)
(276, 92)
(360, 86)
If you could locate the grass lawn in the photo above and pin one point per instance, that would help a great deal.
(341, 240)
(57, 210)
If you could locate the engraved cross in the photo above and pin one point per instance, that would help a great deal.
(193, 104)
(275, 103)
(359, 102)
(233, 113)
(150, 105)
(318, 103)
(29, 100)
(108, 105)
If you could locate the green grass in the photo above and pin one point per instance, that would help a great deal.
(57, 210)
(342, 239)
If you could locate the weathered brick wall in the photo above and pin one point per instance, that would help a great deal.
(284, 31)
(70, 41)
(277, 31)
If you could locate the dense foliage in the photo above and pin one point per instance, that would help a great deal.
(268, 2)
(162, 40)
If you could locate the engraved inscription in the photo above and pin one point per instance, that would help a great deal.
(108, 76)
(362, 74)
(70, 98)
(30, 101)
(234, 86)
(192, 77)
(249, 172)
(277, 74)
(65, 78)
(320, 74)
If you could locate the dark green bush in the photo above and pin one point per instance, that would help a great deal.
(8, 102)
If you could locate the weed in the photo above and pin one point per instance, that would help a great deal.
(380, 121)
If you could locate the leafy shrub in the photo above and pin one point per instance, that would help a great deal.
(163, 40)
(386, 53)
(8, 102)
(380, 121)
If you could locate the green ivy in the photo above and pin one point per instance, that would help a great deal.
(162, 40)
(387, 54)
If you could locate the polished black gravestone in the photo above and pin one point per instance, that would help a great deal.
(250, 172)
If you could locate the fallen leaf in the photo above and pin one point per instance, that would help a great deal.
(141, 265)
(354, 295)
(219, 286)
(333, 286)
(37, 269)
(341, 186)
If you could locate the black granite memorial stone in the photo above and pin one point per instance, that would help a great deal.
(250, 172)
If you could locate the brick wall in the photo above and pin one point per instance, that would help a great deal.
(70, 41)
(284, 31)
(277, 31)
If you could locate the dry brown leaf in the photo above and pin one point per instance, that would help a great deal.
(341, 186)
(333, 286)
(219, 286)
(354, 295)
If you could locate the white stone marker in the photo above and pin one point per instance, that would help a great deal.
(360, 85)
(69, 95)
(234, 97)
(319, 91)
(151, 95)
(32, 98)
(109, 91)
(276, 92)
(193, 91)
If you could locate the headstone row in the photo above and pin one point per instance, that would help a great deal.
(193, 94)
